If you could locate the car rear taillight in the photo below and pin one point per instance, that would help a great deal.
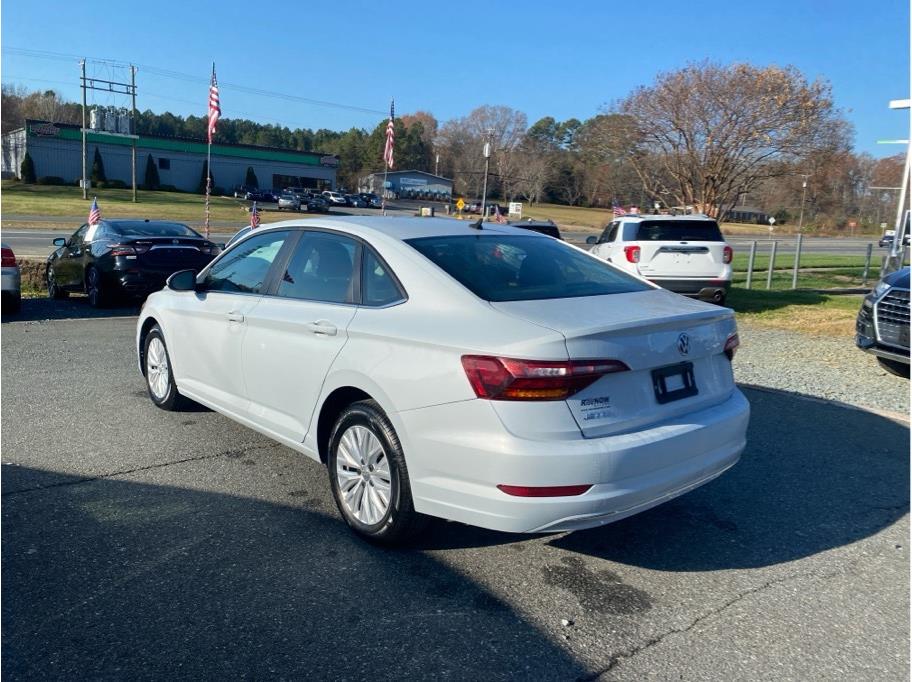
(495, 378)
(632, 253)
(727, 254)
(123, 249)
(7, 257)
(546, 491)
(731, 345)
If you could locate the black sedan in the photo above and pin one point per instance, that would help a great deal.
(120, 258)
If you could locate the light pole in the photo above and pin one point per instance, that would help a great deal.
(437, 166)
(804, 189)
(487, 157)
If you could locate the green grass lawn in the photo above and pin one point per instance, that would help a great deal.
(20, 199)
(816, 260)
(802, 311)
(829, 278)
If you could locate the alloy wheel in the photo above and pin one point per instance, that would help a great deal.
(363, 473)
(158, 373)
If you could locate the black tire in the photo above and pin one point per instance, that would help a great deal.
(401, 522)
(900, 369)
(98, 294)
(171, 398)
(53, 289)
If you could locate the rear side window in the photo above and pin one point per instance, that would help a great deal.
(520, 268)
(679, 231)
(244, 268)
(378, 287)
(322, 269)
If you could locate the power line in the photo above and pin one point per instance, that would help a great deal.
(190, 78)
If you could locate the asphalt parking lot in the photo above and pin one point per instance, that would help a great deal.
(149, 544)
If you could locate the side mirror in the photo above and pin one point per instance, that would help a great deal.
(591, 239)
(60, 241)
(221, 246)
(182, 280)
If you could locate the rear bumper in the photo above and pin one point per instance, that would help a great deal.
(702, 288)
(10, 281)
(458, 454)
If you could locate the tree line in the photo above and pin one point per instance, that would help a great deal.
(709, 136)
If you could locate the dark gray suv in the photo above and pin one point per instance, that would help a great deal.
(882, 326)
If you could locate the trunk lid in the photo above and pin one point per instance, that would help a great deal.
(682, 259)
(175, 253)
(643, 330)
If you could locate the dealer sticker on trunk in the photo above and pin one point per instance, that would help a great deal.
(595, 408)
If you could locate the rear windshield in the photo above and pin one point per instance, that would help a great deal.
(523, 268)
(679, 231)
(144, 229)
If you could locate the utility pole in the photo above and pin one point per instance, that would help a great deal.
(82, 83)
(804, 189)
(437, 166)
(487, 157)
(133, 126)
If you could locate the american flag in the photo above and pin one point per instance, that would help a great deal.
(254, 216)
(94, 213)
(618, 211)
(390, 137)
(215, 110)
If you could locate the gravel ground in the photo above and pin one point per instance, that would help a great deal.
(824, 367)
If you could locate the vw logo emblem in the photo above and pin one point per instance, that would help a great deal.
(175, 241)
(683, 344)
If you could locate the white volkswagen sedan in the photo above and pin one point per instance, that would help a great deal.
(480, 373)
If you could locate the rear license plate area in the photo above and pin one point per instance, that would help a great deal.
(674, 382)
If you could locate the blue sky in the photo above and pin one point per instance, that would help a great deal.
(565, 59)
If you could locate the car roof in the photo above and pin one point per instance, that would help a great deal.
(697, 217)
(402, 227)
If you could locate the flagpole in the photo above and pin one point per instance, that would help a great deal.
(383, 191)
(208, 181)
(386, 162)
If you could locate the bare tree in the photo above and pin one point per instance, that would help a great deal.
(715, 131)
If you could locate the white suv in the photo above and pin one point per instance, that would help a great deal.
(685, 254)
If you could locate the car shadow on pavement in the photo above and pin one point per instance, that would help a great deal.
(815, 476)
(106, 577)
(74, 307)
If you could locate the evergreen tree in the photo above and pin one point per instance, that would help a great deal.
(152, 180)
(27, 169)
(98, 171)
(250, 179)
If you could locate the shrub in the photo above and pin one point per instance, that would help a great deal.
(27, 169)
(50, 180)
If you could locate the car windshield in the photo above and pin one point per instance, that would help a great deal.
(523, 268)
(679, 231)
(144, 229)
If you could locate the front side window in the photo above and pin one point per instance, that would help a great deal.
(519, 268)
(378, 287)
(322, 269)
(244, 269)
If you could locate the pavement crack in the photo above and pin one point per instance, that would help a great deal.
(617, 658)
(234, 453)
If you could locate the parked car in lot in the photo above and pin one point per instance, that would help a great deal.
(685, 254)
(371, 199)
(554, 392)
(882, 325)
(545, 227)
(262, 195)
(355, 200)
(118, 258)
(10, 280)
(335, 198)
(289, 202)
(317, 203)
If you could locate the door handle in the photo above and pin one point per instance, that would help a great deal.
(323, 328)
(235, 317)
